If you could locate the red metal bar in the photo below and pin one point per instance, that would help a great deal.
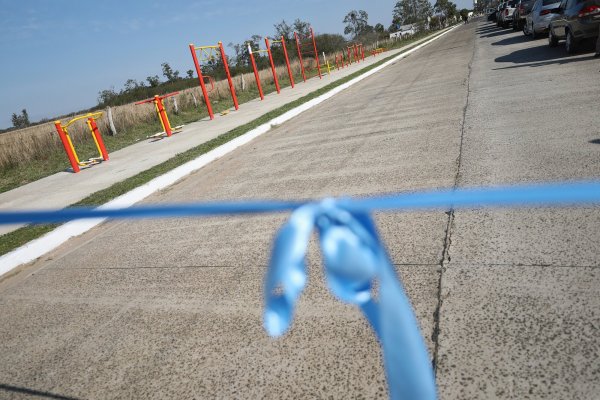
(201, 79)
(151, 99)
(98, 137)
(256, 76)
(287, 61)
(349, 58)
(162, 114)
(316, 52)
(231, 87)
(67, 146)
(272, 65)
(362, 49)
(300, 56)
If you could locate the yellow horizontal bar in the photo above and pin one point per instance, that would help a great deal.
(95, 115)
(261, 51)
(206, 47)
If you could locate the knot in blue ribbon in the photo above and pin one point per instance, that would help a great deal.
(355, 262)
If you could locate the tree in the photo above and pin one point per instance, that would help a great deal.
(445, 9)
(20, 121)
(254, 42)
(190, 73)
(132, 84)
(106, 96)
(153, 81)
(285, 30)
(169, 73)
(356, 23)
(238, 50)
(411, 11)
(330, 43)
(379, 28)
(464, 14)
(302, 27)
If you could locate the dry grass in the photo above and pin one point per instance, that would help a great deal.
(32, 144)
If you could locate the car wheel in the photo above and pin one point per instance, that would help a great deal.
(552, 40)
(570, 43)
(525, 31)
(534, 35)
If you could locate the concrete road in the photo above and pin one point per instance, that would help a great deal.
(508, 300)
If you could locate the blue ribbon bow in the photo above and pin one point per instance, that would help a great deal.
(355, 261)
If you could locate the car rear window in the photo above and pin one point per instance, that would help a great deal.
(513, 3)
(548, 2)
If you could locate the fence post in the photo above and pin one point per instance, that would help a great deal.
(175, 105)
(113, 130)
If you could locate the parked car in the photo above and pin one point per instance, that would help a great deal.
(499, 10)
(506, 15)
(522, 8)
(539, 18)
(575, 21)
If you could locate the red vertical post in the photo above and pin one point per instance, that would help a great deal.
(98, 137)
(349, 58)
(300, 56)
(362, 49)
(256, 76)
(272, 65)
(201, 79)
(312, 34)
(162, 113)
(231, 87)
(287, 61)
(67, 145)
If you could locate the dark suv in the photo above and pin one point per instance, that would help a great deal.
(575, 20)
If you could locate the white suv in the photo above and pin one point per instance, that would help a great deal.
(506, 15)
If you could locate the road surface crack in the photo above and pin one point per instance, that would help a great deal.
(450, 224)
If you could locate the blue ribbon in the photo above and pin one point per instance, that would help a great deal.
(564, 194)
(355, 260)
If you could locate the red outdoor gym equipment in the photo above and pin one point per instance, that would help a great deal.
(65, 138)
(256, 74)
(285, 53)
(307, 46)
(208, 54)
(162, 114)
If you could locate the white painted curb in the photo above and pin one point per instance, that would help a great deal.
(38, 247)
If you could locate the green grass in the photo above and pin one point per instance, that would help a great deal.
(19, 237)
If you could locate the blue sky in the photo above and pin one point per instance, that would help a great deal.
(58, 54)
